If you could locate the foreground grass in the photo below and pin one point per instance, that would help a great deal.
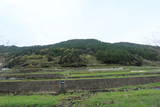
(32, 100)
(141, 98)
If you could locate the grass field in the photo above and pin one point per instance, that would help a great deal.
(32, 100)
(141, 98)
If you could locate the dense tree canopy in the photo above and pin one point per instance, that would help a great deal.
(80, 53)
(72, 58)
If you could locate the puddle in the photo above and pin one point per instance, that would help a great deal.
(139, 71)
(2, 78)
(12, 78)
(157, 88)
(107, 69)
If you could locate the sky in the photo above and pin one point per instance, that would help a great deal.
(41, 22)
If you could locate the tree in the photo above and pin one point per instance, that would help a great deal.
(118, 57)
(72, 58)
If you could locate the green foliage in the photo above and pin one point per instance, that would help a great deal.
(80, 52)
(118, 57)
(72, 58)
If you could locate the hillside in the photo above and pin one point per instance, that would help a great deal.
(80, 52)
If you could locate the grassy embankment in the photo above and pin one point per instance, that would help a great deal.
(140, 98)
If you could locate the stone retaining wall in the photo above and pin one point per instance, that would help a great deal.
(88, 84)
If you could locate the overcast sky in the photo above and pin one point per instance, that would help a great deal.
(39, 22)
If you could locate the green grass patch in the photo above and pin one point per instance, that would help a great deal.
(32, 100)
(144, 86)
(141, 98)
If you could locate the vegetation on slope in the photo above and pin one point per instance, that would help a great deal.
(80, 52)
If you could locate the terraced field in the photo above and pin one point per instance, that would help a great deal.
(84, 73)
(80, 86)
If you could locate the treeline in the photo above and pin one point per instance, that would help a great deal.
(80, 52)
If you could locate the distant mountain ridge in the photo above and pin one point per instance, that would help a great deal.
(72, 43)
(116, 53)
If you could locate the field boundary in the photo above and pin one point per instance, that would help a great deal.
(72, 85)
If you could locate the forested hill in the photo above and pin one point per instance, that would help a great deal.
(80, 52)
